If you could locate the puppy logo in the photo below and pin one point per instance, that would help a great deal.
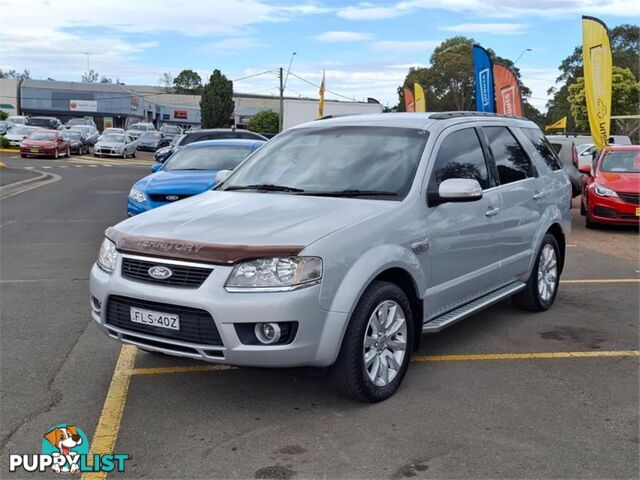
(67, 442)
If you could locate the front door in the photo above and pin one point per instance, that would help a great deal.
(463, 253)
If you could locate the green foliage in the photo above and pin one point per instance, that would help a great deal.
(265, 121)
(188, 82)
(625, 92)
(13, 74)
(4, 143)
(3, 115)
(216, 104)
(90, 77)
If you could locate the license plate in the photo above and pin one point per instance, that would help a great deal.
(35, 150)
(637, 212)
(155, 319)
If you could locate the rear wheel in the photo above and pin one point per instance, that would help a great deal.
(68, 154)
(542, 285)
(134, 154)
(375, 351)
(56, 155)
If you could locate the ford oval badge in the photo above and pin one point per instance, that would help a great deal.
(159, 272)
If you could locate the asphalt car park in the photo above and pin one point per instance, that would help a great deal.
(504, 394)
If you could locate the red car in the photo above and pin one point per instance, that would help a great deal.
(611, 188)
(45, 143)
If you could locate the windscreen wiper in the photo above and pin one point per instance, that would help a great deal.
(353, 193)
(268, 187)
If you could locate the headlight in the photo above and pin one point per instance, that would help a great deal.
(278, 274)
(107, 256)
(137, 195)
(604, 191)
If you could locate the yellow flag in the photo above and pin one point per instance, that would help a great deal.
(421, 102)
(596, 54)
(562, 123)
(321, 102)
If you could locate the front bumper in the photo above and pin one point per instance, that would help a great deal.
(107, 153)
(40, 153)
(612, 210)
(316, 342)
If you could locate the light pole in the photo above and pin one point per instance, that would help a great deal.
(289, 70)
(281, 98)
(520, 56)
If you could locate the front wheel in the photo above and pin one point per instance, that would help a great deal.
(377, 345)
(542, 285)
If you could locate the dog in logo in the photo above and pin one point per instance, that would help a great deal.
(64, 439)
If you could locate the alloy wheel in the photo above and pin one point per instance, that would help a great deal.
(547, 273)
(385, 343)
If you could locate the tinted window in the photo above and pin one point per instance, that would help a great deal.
(460, 156)
(543, 146)
(511, 160)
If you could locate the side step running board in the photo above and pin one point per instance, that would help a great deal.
(454, 316)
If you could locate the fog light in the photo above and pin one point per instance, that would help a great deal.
(268, 333)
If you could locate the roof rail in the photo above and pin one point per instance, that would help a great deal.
(447, 115)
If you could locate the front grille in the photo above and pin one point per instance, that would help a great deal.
(168, 197)
(605, 212)
(196, 325)
(183, 275)
(630, 197)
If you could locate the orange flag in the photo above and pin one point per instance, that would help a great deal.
(508, 96)
(409, 103)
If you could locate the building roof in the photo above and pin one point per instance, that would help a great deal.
(77, 86)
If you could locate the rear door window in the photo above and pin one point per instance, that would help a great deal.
(546, 151)
(460, 156)
(512, 162)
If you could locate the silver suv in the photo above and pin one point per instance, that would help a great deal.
(339, 243)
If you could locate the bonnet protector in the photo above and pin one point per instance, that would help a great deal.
(215, 253)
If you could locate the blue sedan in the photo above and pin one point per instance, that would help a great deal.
(190, 171)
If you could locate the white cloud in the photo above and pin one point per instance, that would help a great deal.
(538, 80)
(494, 8)
(493, 28)
(404, 46)
(231, 45)
(342, 36)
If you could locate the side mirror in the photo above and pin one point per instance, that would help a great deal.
(222, 176)
(586, 169)
(459, 190)
(155, 167)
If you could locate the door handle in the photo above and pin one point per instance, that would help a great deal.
(492, 211)
(538, 195)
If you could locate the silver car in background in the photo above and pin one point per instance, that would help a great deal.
(18, 133)
(89, 133)
(138, 129)
(115, 145)
(339, 243)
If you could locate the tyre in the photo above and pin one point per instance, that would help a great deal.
(68, 154)
(56, 155)
(542, 285)
(23, 155)
(588, 222)
(583, 210)
(133, 154)
(377, 345)
(96, 155)
(124, 153)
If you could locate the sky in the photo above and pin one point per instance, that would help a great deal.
(365, 48)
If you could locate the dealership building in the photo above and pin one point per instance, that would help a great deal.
(119, 105)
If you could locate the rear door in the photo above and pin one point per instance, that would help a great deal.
(463, 255)
(522, 194)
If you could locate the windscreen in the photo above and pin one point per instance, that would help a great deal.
(337, 159)
(208, 158)
(621, 161)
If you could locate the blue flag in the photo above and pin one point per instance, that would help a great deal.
(483, 74)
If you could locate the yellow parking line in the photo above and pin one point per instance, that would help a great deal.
(601, 280)
(109, 423)
(188, 369)
(524, 356)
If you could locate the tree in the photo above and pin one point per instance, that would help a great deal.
(166, 81)
(90, 77)
(15, 75)
(625, 92)
(216, 104)
(3, 115)
(104, 79)
(265, 121)
(188, 82)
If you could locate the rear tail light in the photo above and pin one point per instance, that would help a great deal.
(574, 156)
